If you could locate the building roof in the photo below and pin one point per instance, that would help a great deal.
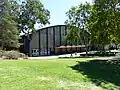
(42, 28)
(49, 27)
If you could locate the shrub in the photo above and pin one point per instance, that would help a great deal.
(12, 55)
(1, 53)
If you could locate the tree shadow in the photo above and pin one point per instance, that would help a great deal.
(101, 72)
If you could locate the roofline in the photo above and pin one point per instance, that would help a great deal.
(46, 28)
(49, 27)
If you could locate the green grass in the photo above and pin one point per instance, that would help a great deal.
(59, 74)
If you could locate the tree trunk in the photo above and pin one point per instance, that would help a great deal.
(71, 50)
(2, 46)
(86, 49)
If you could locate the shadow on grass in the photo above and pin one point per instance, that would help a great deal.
(101, 72)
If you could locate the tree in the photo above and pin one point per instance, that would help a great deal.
(105, 21)
(9, 33)
(20, 15)
(78, 18)
(32, 12)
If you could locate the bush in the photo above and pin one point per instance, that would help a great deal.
(1, 53)
(12, 55)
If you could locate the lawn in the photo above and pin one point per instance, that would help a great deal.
(59, 74)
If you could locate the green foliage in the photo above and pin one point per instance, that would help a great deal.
(101, 21)
(30, 13)
(2, 6)
(9, 33)
(105, 21)
(78, 18)
(20, 16)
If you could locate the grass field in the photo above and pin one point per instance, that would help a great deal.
(59, 74)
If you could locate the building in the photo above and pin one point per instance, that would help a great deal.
(49, 41)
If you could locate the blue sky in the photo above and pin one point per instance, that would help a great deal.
(58, 8)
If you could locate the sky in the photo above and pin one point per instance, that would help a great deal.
(58, 8)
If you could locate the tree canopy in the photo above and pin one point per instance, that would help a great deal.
(9, 34)
(20, 16)
(78, 18)
(105, 21)
(30, 13)
(100, 19)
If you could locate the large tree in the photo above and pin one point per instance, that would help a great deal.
(105, 22)
(9, 34)
(20, 15)
(2, 7)
(32, 12)
(78, 18)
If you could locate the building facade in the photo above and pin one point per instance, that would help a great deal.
(49, 41)
(46, 39)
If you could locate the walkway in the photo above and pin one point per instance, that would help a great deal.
(67, 55)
